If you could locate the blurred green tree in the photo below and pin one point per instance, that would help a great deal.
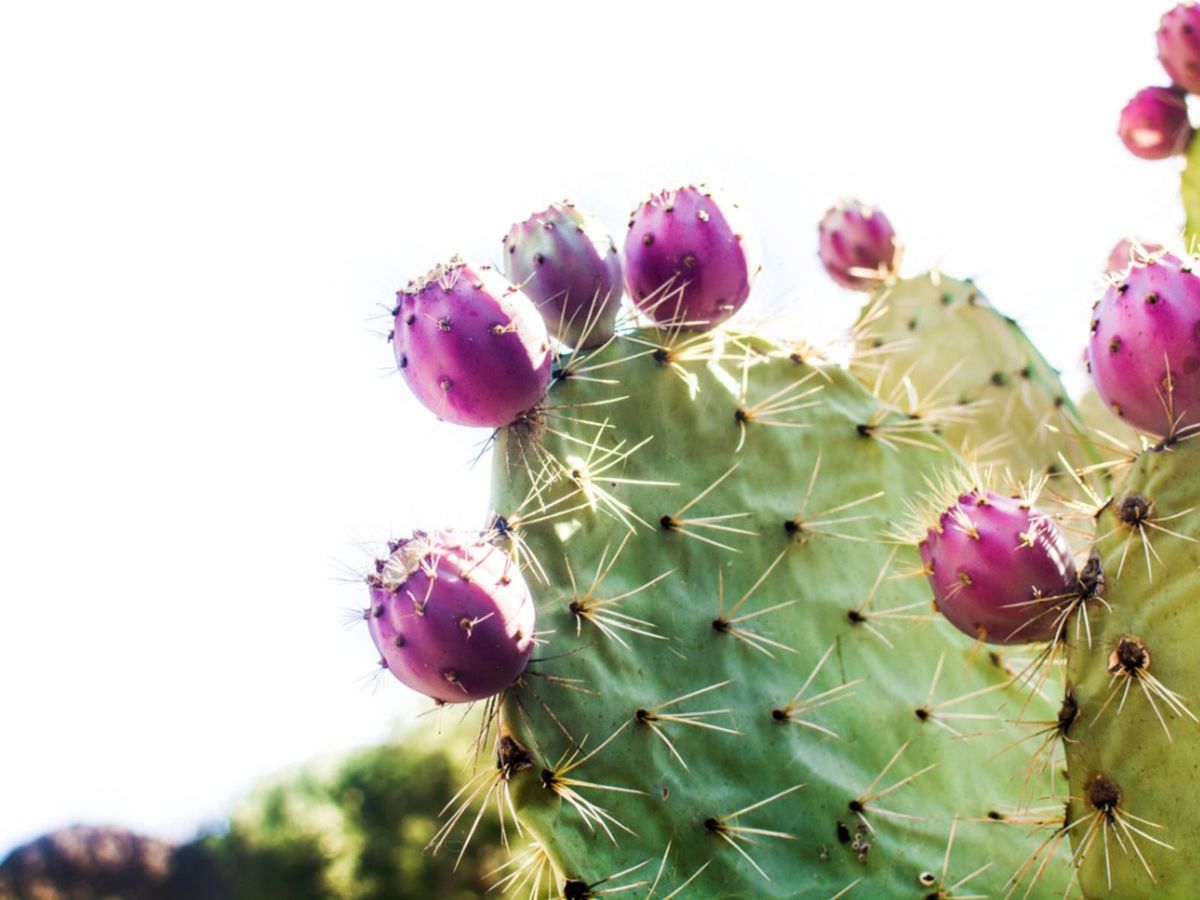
(359, 831)
(353, 829)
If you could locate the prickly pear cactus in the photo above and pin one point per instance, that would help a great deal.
(1135, 680)
(934, 345)
(741, 689)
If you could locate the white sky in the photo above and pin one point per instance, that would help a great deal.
(202, 210)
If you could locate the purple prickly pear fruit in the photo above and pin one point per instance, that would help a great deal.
(1144, 350)
(451, 616)
(568, 265)
(1154, 124)
(1179, 46)
(858, 245)
(1000, 570)
(1128, 251)
(690, 257)
(471, 346)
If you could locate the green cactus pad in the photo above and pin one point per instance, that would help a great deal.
(1112, 441)
(1132, 773)
(667, 496)
(1096, 416)
(943, 338)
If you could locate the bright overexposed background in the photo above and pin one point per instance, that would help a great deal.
(205, 211)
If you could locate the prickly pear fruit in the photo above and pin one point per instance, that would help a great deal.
(1179, 45)
(568, 265)
(1127, 251)
(999, 568)
(1154, 124)
(470, 345)
(690, 257)
(1144, 351)
(450, 615)
(858, 245)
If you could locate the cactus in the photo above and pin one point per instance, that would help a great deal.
(568, 265)
(1154, 123)
(709, 519)
(1132, 677)
(1135, 680)
(1142, 353)
(690, 257)
(471, 346)
(739, 692)
(935, 346)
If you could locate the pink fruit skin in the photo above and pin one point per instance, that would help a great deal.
(1123, 254)
(1142, 328)
(458, 628)
(989, 559)
(1154, 124)
(565, 262)
(857, 245)
(1179, 46)
(683, 239)
(471, 346)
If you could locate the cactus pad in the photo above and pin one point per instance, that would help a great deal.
(935, 343)
(739, 690)
(1136, 685)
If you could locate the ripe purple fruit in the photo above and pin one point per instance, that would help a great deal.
(1154, 124)
(1144, 350)
(858, 245)
(451, 616)
(568, 265)
(1179, 46)
(1000, 570)
(471, 346)
(690, 257)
